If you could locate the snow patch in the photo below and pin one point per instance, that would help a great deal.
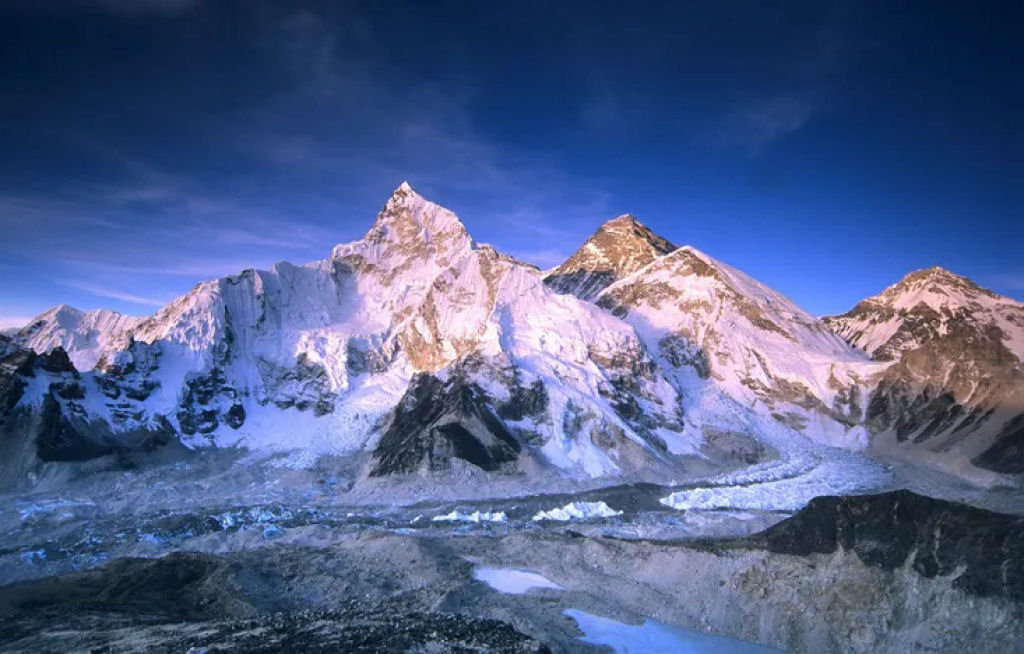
(512, 580)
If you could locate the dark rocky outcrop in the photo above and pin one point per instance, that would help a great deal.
(56, 360)
(202, 398)
(59, 439)
(303, 386)
(15, 365)
(184, 601)
(1006, 454)
(437, 421)
(524, 401)
(982, 550)
(38, 437)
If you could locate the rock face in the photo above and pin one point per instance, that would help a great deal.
(982, 550)
(438, 421)
(955, 388)
(59, 428)
(619, 247)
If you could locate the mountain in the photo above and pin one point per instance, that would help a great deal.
(955, 388)
(316, 359)
(619, 247)
(424, 354)
(85, 335)
(714, 326)
(923, 306)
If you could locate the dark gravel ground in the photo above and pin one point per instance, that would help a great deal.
(356, 629)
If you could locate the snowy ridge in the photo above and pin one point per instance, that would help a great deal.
(86, 335)
(713, 324)
(921, 306)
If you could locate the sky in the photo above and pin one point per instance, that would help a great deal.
(826, 148)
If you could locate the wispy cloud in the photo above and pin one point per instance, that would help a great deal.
(12, 321)
(755, 125)
(116, 294)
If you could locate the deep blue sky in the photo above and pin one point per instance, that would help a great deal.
(826, 148)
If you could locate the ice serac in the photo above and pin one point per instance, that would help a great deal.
(619, 247)
(954, 391)
(717, 331)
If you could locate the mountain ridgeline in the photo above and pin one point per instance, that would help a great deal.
(428, 354)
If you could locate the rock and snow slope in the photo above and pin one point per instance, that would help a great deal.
(926, 305)
(431, 353)
(954, 391)
(719, 331)
(619, 247)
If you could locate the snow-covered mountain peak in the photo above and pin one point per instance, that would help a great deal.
(619, 247)
(955, 380)
(409, 214)
(422, 345)
(626, 221)
(408, 228)
(85, 335)
(936, 287)
(923, 305)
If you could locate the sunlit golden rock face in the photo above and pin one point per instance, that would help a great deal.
(619, 247)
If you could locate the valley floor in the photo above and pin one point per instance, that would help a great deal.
(247, 539)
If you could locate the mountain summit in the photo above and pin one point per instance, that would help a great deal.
(920, 307)
(619, 247)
